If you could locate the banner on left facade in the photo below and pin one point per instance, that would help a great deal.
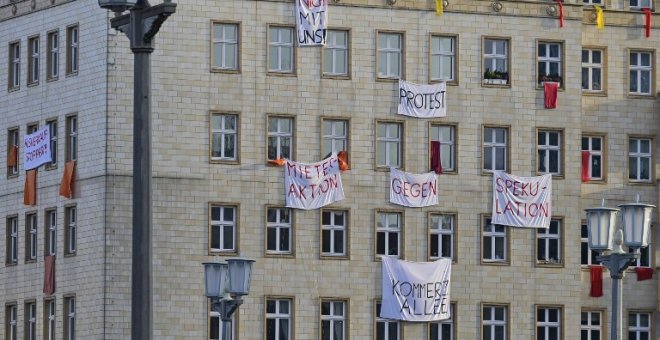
(37, 148)
(311, 22)
(416, 291)
(312, 186)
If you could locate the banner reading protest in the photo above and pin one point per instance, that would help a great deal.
(311, 186)
(522, 201)
(422, 101)
(37, 148)
(311, 22)
(416, 291)
(413, 190)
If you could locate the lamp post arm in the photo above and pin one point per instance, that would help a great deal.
(225, 307)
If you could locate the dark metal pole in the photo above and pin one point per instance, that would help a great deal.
(617, 263)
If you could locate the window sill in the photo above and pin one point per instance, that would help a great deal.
(431, 259)
(225, 161)
(641, 96)
(11, 264)
(334, 257)
(51, 167)
(585, 267)
(554, 176)
(382, 168)
(378, 257)
(12, 176)
(641, 183)
(51, 79)
(225, 70)
(595, 181)
(336, 76)
(71, 74)
(495, 83)
(291, 74)
(13, 89)
(388, 79)
(30, 261)
(280, 255)
(545, 264)
(33, 84)
(590, 93)
(495, 263)
(223, 252)
(491, 172)
(449, 82)
(70, 255)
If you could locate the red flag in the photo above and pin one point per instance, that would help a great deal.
(647, 25)
(644, 273)
(550, 91)
(561, 12)
(596, 281)
(585, 166)
(436, 163)
(49, 274)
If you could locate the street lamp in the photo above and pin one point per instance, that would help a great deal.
(140, 26)
(606, 235)
(226, 284)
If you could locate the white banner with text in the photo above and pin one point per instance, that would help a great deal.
(522, 201)
(311, 22)
(37, 148)
(422, 101)
(412, 190)
(312, 186)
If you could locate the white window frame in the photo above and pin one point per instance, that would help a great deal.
(331, 52)
(221, 224)
(333, 229)
(593, 154)
(335, 137)
(547, 149)
(546, 325)
(31, 320)
(445, 323)
(387, 142)
(639, 4)
(546, 60)
(584, 242)
(222, 327)
(635, 67)
(391, 48)
(224, 131)
(591, 326)
(224, 42)
(72, 229)
(638, 329)
(53, 55)
(31, 232)
(491, 145)
(439, 56)
(637, 156)
(386, 230)
(333, 318)
(447, 143)
(12, 240)
(33, 69)
(545, 236)
(490, 59)
(278, 316)
(50, 319)
(52, 125)
(644, 259)
(14, 75)
(280, 134)
(12, 141)
(70, 315)
(72, 137)
(494, 323)
(279, 225)
(12, 321)
(385, 324)
(590, 66)
(491, 234)
(72, 45)
(438, 230)
(276, 44)
(51, 224)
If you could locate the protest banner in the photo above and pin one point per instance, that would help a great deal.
(415, 291)
(311, 22)
(422, 101)
(413, 190)
(36, 148)
(522, 201)
(311, 186)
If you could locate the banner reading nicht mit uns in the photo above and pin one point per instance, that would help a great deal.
(522, 201)
(311, 22)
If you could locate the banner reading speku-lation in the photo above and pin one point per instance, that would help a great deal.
(312, 186)
(522, 201)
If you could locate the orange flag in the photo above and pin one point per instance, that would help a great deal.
(66, 186)
(342, 157)
(12, 159)
(278, 162)
(30, 189)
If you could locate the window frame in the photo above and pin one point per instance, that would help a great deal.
(651, 69)
(71, 138)
(547, 59)
(220, 69)
(507, 243)
(602, 153)
(346, 230)
(453, 234)
(507, 318)
(72, 49)
(401, 145)
(31, 236)
(237, 137)
(53, 55)
(452, 321)
(14, 140)
(279, 134)
(547, 237)
(70, 230)
(291, 253)
(507, 58)
(294, 52)
(377, 319)
(453, 145)
(590, 327)
(50, 231)
(344, 318)
(507, 149)
(591, 65)
(639, 6)
(455, 58)
(279, 316)
(69, 319)
(53, 126)
(233, 322)
(639, 155)
(547, 148)
(11, 240)
(560, 322)
(591, 254)
(347, 137)
(30, 322)
(14, 70)
(402, 56)
(34, 58)
(401, 240)
(326, 48)
(11, 320)
(222, 224)
(651, 329)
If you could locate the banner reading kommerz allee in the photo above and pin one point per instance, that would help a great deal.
(416, 291)
(413, 190)
(522, 201)
(37, 148)
(311, 22)
(311, 186)
(422, 101)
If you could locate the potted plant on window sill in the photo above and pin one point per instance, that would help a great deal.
(496, 77)
(555, 78)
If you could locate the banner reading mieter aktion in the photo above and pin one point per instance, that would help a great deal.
(312, 186)
(36, 148)
(522, 201)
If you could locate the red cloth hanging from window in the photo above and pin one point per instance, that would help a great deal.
(12, 158)
(30, 189)
(644, 273)
(561, 12)
(277, 162)
(66, 186)
(550, 92)
(436, 163)
(596, 281)
(585, 166)
(342, 157)
(49, 274)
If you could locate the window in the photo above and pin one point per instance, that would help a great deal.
(71, 138)
(52, 126)
(495, 242)
(644, 259)
(14, 76)
(443, 58)
(495, 149)
(221, 330)
(12, 240)
(336, 54)
(592, 2)
(32, 128)
(280, 137)
(639, 4)
(279, 231)
(52, 56)
(50, 232)
(548, 244)
(446, 136)
(333, 319)
(639, 326)
(548, 323)
(225, 46)
(70, 230)
(72, 50)
(386, 329)
(31, 320)
(549, 62)
(587, 256)
(281, 52)
(639, 159)
(223, 228)
(333, 232)
(590, 325)
(389, 144)
(11, 322)
(33, 61)
(388, 233)
(30, 237)
(494, 322)
(441, 236)
(70, 318)
(279, 322)
(224, 137)
(49, 319)
(12, 152)
(335, 136)
(496, 61)
(594, 146)
(549, 152)
(592, 69)
(641, 73)
(390, 55)
(444, 330)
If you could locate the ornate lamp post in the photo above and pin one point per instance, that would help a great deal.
(605, 235)
(140, 26)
